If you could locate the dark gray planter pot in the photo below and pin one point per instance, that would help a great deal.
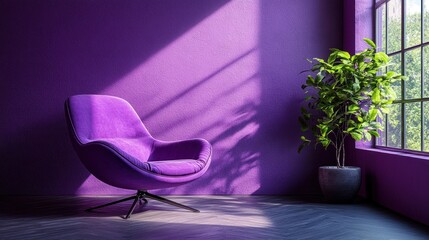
(339, 184)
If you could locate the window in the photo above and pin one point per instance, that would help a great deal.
(402, 31)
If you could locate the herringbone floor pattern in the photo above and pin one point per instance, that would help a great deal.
(221, 217)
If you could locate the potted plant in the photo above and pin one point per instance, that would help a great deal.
(345, 96)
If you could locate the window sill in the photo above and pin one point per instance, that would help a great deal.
(422, 156)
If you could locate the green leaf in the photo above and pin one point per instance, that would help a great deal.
(310, 81)
(356, 87)
(362, 66)
(324, 141)
(348, 91)
(374, 133)
(376, 125)
(332, 57)
(390, 74)
(370, 42)
(343, 54)
(323, 129)
(359, 118)
(319, 60)
(304, 139)
(349, 129)
(350, 122)
(356, 136)
(367, 136)
(385, 110)
(329, 110)
(304, 143)
(381, 57)
(376, 96)
(372, 114)
(353, 108)
(319, 77)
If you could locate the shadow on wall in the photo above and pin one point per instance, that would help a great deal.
(229, 128)
(51, 50)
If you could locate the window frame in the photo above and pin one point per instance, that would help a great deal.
(402, 101)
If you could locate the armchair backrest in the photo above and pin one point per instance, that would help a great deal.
(96, 117)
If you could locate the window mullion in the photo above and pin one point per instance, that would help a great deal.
(385, 49)
(403, 73)
(423, 24)
(422, 142)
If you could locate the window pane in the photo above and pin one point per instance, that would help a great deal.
(395, 65)
(426, 71)
(426, 126)
(413, 70)
(381, 141)
(393, 25)
(426, 20)
(413, 126)
(381, 28)
(413, 22)
(393, 130)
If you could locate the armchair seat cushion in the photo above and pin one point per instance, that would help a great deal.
(177, 167)
(133, 151)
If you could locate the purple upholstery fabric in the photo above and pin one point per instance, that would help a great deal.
(116, 147)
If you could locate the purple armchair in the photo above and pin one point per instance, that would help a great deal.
(114, 145)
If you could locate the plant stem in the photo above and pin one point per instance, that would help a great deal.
(337, 150)
(343, 135)
(344, 150)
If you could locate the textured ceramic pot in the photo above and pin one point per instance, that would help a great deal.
(339, 184)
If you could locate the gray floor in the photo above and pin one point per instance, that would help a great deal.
(221, 217)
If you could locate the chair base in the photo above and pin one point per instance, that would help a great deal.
(141, 196)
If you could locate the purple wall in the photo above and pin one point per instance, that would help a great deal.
(227, 71)
(394, 180)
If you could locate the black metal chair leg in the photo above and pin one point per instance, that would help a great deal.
(111, 203)
(164, 200)
(132, 207)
